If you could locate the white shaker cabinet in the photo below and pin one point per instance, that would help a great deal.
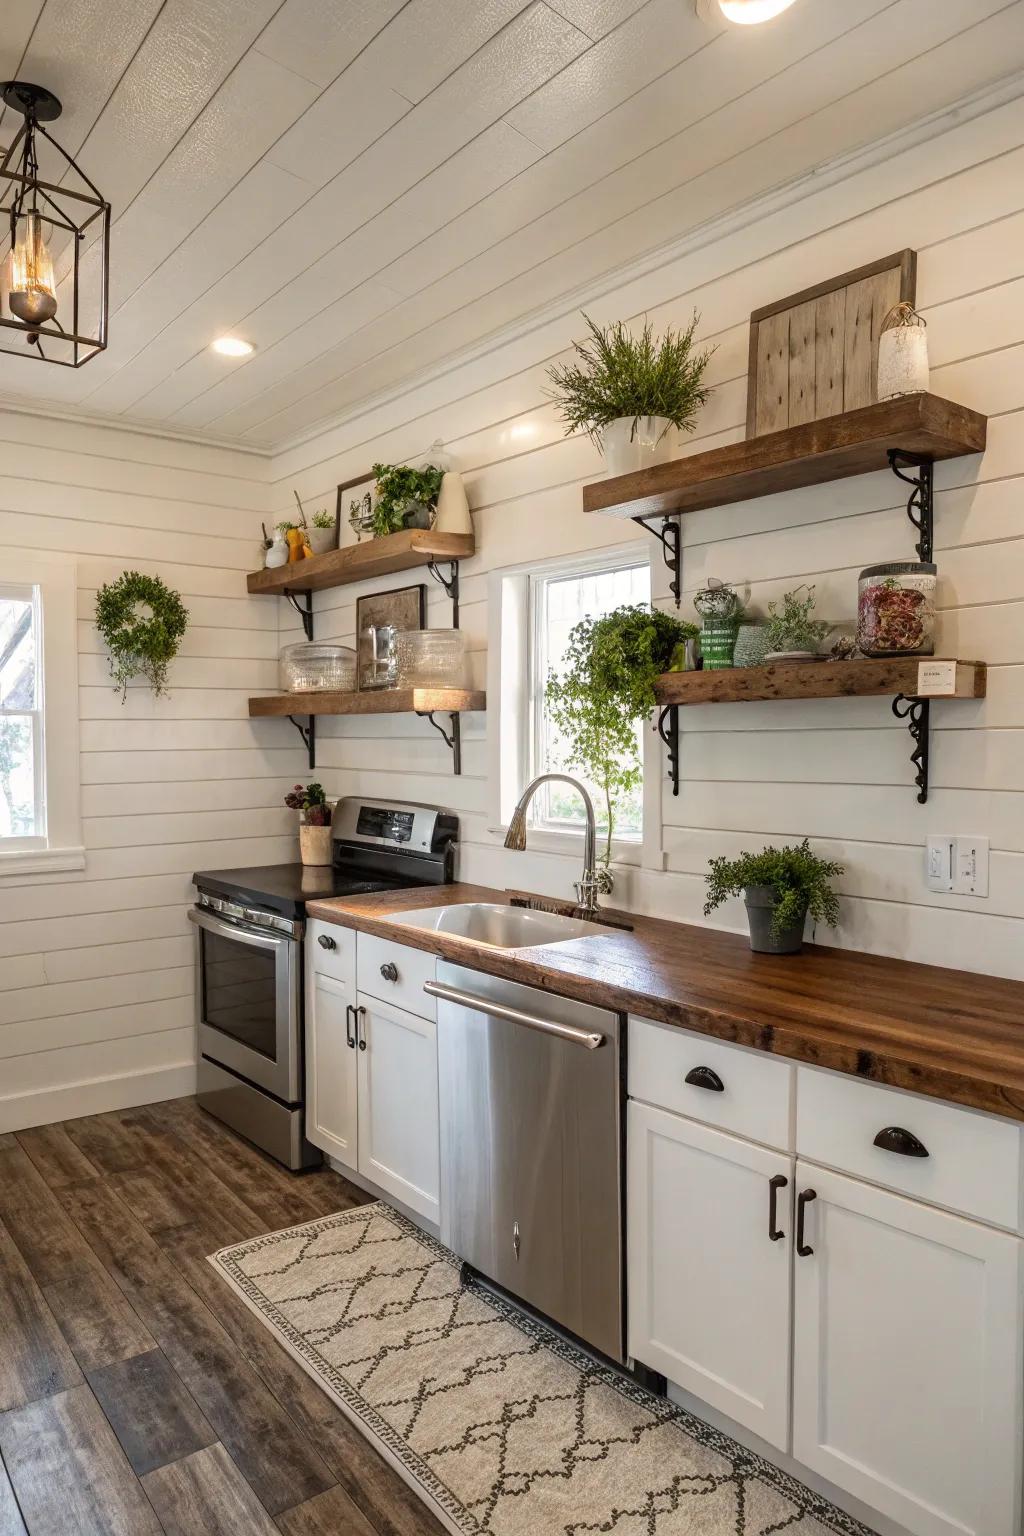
(710, 1221)
(331, 1069)
(398, 1119)
(907, 1357)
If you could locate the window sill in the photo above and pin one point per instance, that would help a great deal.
(40, 861)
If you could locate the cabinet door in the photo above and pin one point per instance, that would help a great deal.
(398, 1124)
(331, 1073)
(907, 1373)
(709, 1288)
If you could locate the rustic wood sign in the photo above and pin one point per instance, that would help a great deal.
(815, 353)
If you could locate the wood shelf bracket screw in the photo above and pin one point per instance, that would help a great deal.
(669, 537)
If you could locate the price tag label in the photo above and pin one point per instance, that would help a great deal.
(936, 678)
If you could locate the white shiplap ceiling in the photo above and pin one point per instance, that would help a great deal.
(363, 188)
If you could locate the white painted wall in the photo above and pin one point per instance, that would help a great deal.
(96, 969)
(837, 770)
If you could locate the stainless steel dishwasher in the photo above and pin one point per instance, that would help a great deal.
(531, 1147)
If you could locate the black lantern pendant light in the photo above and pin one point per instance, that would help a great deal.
(57, 268)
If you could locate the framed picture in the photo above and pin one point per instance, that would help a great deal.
(355, 507)
(379, 618)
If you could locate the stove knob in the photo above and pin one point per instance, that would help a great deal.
(389, 971)
(326, 942)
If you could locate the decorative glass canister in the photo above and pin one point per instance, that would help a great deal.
(896, 609)
(717, 605)
(902, 353)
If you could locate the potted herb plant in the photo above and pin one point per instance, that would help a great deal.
(406, 497)
(626, 391)
(792, 633)
(780, 887)
(607, 686)
(315, 826)
(322, 533)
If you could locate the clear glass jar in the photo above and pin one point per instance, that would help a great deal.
(431, 658)
(313, 666)
(896, 609)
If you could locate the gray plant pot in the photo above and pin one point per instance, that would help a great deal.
(760, 902)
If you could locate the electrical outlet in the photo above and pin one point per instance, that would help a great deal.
(958, 865)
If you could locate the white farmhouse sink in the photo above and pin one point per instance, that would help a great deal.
(498, 926)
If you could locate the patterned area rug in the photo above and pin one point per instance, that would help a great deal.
(498, 1424)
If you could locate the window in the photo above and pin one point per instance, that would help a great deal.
(559, 599)
(40, 825)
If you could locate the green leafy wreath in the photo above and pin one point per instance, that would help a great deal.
(140, 645)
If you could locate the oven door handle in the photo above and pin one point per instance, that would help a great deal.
(588, 1038)
(257, 937)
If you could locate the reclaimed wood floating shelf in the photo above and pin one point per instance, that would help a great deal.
(813, 680)
(834, 448)
(380, 701)
(358, 562)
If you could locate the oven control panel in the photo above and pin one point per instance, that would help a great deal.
(381, 821)
(399, 825)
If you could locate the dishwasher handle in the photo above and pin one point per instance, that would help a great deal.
(588, 1038)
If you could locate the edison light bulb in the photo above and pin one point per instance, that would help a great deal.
(32, 292)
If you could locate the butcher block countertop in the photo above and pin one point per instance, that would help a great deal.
(953, 1035)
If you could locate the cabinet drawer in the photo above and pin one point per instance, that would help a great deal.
(756, 1090)
(331, 950)
(395, 973)
(973, 1163)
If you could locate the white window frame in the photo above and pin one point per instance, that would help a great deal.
(55, 579)
(510, 708)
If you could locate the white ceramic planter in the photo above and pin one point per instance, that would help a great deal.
(628, 447)
(453, 506)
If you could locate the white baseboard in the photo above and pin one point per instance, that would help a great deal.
(96, 1097)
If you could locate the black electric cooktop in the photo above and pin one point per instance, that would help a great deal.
(285, 888)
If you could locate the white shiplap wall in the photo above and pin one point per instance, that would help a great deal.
(96, 969)
(838, 771)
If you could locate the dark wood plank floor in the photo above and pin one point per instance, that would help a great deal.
(137, 1393)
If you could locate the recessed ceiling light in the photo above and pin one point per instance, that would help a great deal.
(232, 346)
(745, 13)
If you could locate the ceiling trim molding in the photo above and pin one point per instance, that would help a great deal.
(978, 103)
(18, 407)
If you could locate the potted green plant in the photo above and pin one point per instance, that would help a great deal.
(315, 825)
(406, 497)
(792, 633)
(626, 391)
(605, 687)
(780, 887)
(322, 532)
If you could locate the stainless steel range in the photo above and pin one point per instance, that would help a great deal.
(250, 926)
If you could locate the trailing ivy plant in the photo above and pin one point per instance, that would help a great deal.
(399, 485)
(605, 687)
(798, 877)
(617, 373)
(141, 643)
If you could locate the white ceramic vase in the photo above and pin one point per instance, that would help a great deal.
(902, 361)
(631, 443)
(277, 554)
(453, 506)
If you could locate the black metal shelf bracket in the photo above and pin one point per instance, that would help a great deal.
(668, 536)
(304, 610)
(917, 714)
(452, 742)
(667, 727)
(921, 505)
(450, 584)
(308, 734)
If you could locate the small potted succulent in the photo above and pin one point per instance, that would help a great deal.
(626, 391)
(780, 887)
(322, 534)
(315, 826)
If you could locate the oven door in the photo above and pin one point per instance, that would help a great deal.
(249, 1002)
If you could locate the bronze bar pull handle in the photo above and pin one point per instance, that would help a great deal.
(803, 1200)
(774, 1185)
(360, 1013)
(350, 1030)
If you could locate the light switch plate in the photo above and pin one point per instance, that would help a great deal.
(939, 856)
(957, 865)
